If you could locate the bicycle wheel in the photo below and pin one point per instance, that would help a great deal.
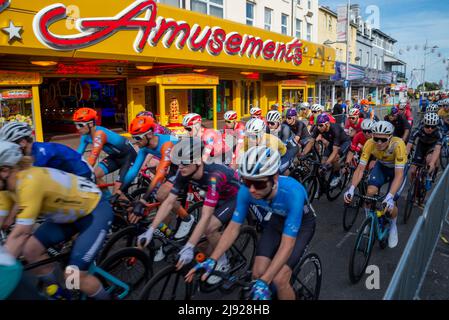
(306, 278)
(167, 284)
(362, 250)
(311, 185)
(351, 212)
(334, 192)
(409, 201)
(124, 238)
(131, 266)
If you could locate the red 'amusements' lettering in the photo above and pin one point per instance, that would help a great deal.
(152, 30)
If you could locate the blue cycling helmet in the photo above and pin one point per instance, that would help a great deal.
(292, 113)
(323, 118)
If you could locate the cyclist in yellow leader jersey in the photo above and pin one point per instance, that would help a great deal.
(391, 156)
(70, 205)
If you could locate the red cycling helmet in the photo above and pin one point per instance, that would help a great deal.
(84, 115)
(142, 125)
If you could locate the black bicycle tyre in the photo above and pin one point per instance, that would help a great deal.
(348, 220)
(118, 257)
(353, 275)
(409, 201)
(315, 259)
(311, 185)
(164, 273)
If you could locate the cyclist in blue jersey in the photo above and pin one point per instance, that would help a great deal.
(287, 226)
(46, 154)
(121, 154)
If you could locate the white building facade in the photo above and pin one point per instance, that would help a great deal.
(296, 18)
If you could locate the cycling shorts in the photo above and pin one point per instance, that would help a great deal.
(225, 209)
(421, 152)
(91, 229)
(271, 237)
(344, 148)
(111, 164)
(380, 175)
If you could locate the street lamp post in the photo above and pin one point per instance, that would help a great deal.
(425, 60)
(347, 48)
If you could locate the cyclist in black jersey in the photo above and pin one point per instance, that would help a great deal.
(299, 129)
(428, 139)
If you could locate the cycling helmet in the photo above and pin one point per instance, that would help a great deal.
(260, 162)
(402, 106)
(255, 126)
(142, 125)
(275, 116)
(431, 119)
(368, 124)
(323, 118)
(10, 154)
(191, 119)
(305, 105)
(433, 108)
(403, 101)
(15, 131)
(230, 115)
(292, 113)
(354, 112)
(255, 111)
(317, 107)
(445, 102)
(187, 151)
(364, 102)
(440, 102)
(394, 111)
(383, 127)
(145, 114)
(84, 115)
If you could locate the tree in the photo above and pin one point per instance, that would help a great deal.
(430, 86)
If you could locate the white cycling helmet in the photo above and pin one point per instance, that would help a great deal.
(368, 124)
(255, 111)
(354, 112)
(274, 116)
(10, 154)
(433, 108)
(402, 105)
(14, 131)
(305, 105)
(255, 126)
(230, 115)
(431, 119)
(317, 107)
(383, 127)
(445, 102)
(191, 119)
(260, 162)
(403, 100)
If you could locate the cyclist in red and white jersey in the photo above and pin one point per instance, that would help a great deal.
(233, 133)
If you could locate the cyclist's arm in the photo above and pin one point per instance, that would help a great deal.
(397, 181)
(134, 170)
(206, 214)
(83, 145)
(162, 167)
(164, 210)
(98, 142)
(358, 174)
(232, 230)
(400, 161)
(6, 205)
(290, 232)
(349, 157)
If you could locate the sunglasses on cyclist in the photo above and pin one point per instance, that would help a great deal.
(314, 111)
(188, 129)
(80, 125)
(229, 121)
(271, 123)
(353, 118)
(429, 127)
(367, 131)
(139, 137)
(380, 140)
(290, 118)
(258, 185)
(321, 125)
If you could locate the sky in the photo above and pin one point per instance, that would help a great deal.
(411, 23)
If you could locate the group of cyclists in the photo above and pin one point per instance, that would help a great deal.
(244, 164)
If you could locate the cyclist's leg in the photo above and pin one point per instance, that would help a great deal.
(92, 234)
(125, 165)
(105, 167)
(282, 280)
(222, 215)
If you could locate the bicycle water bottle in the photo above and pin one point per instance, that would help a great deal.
(57, 293)
(165, 229)
(428, 183)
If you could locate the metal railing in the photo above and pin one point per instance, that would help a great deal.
(412, 268)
